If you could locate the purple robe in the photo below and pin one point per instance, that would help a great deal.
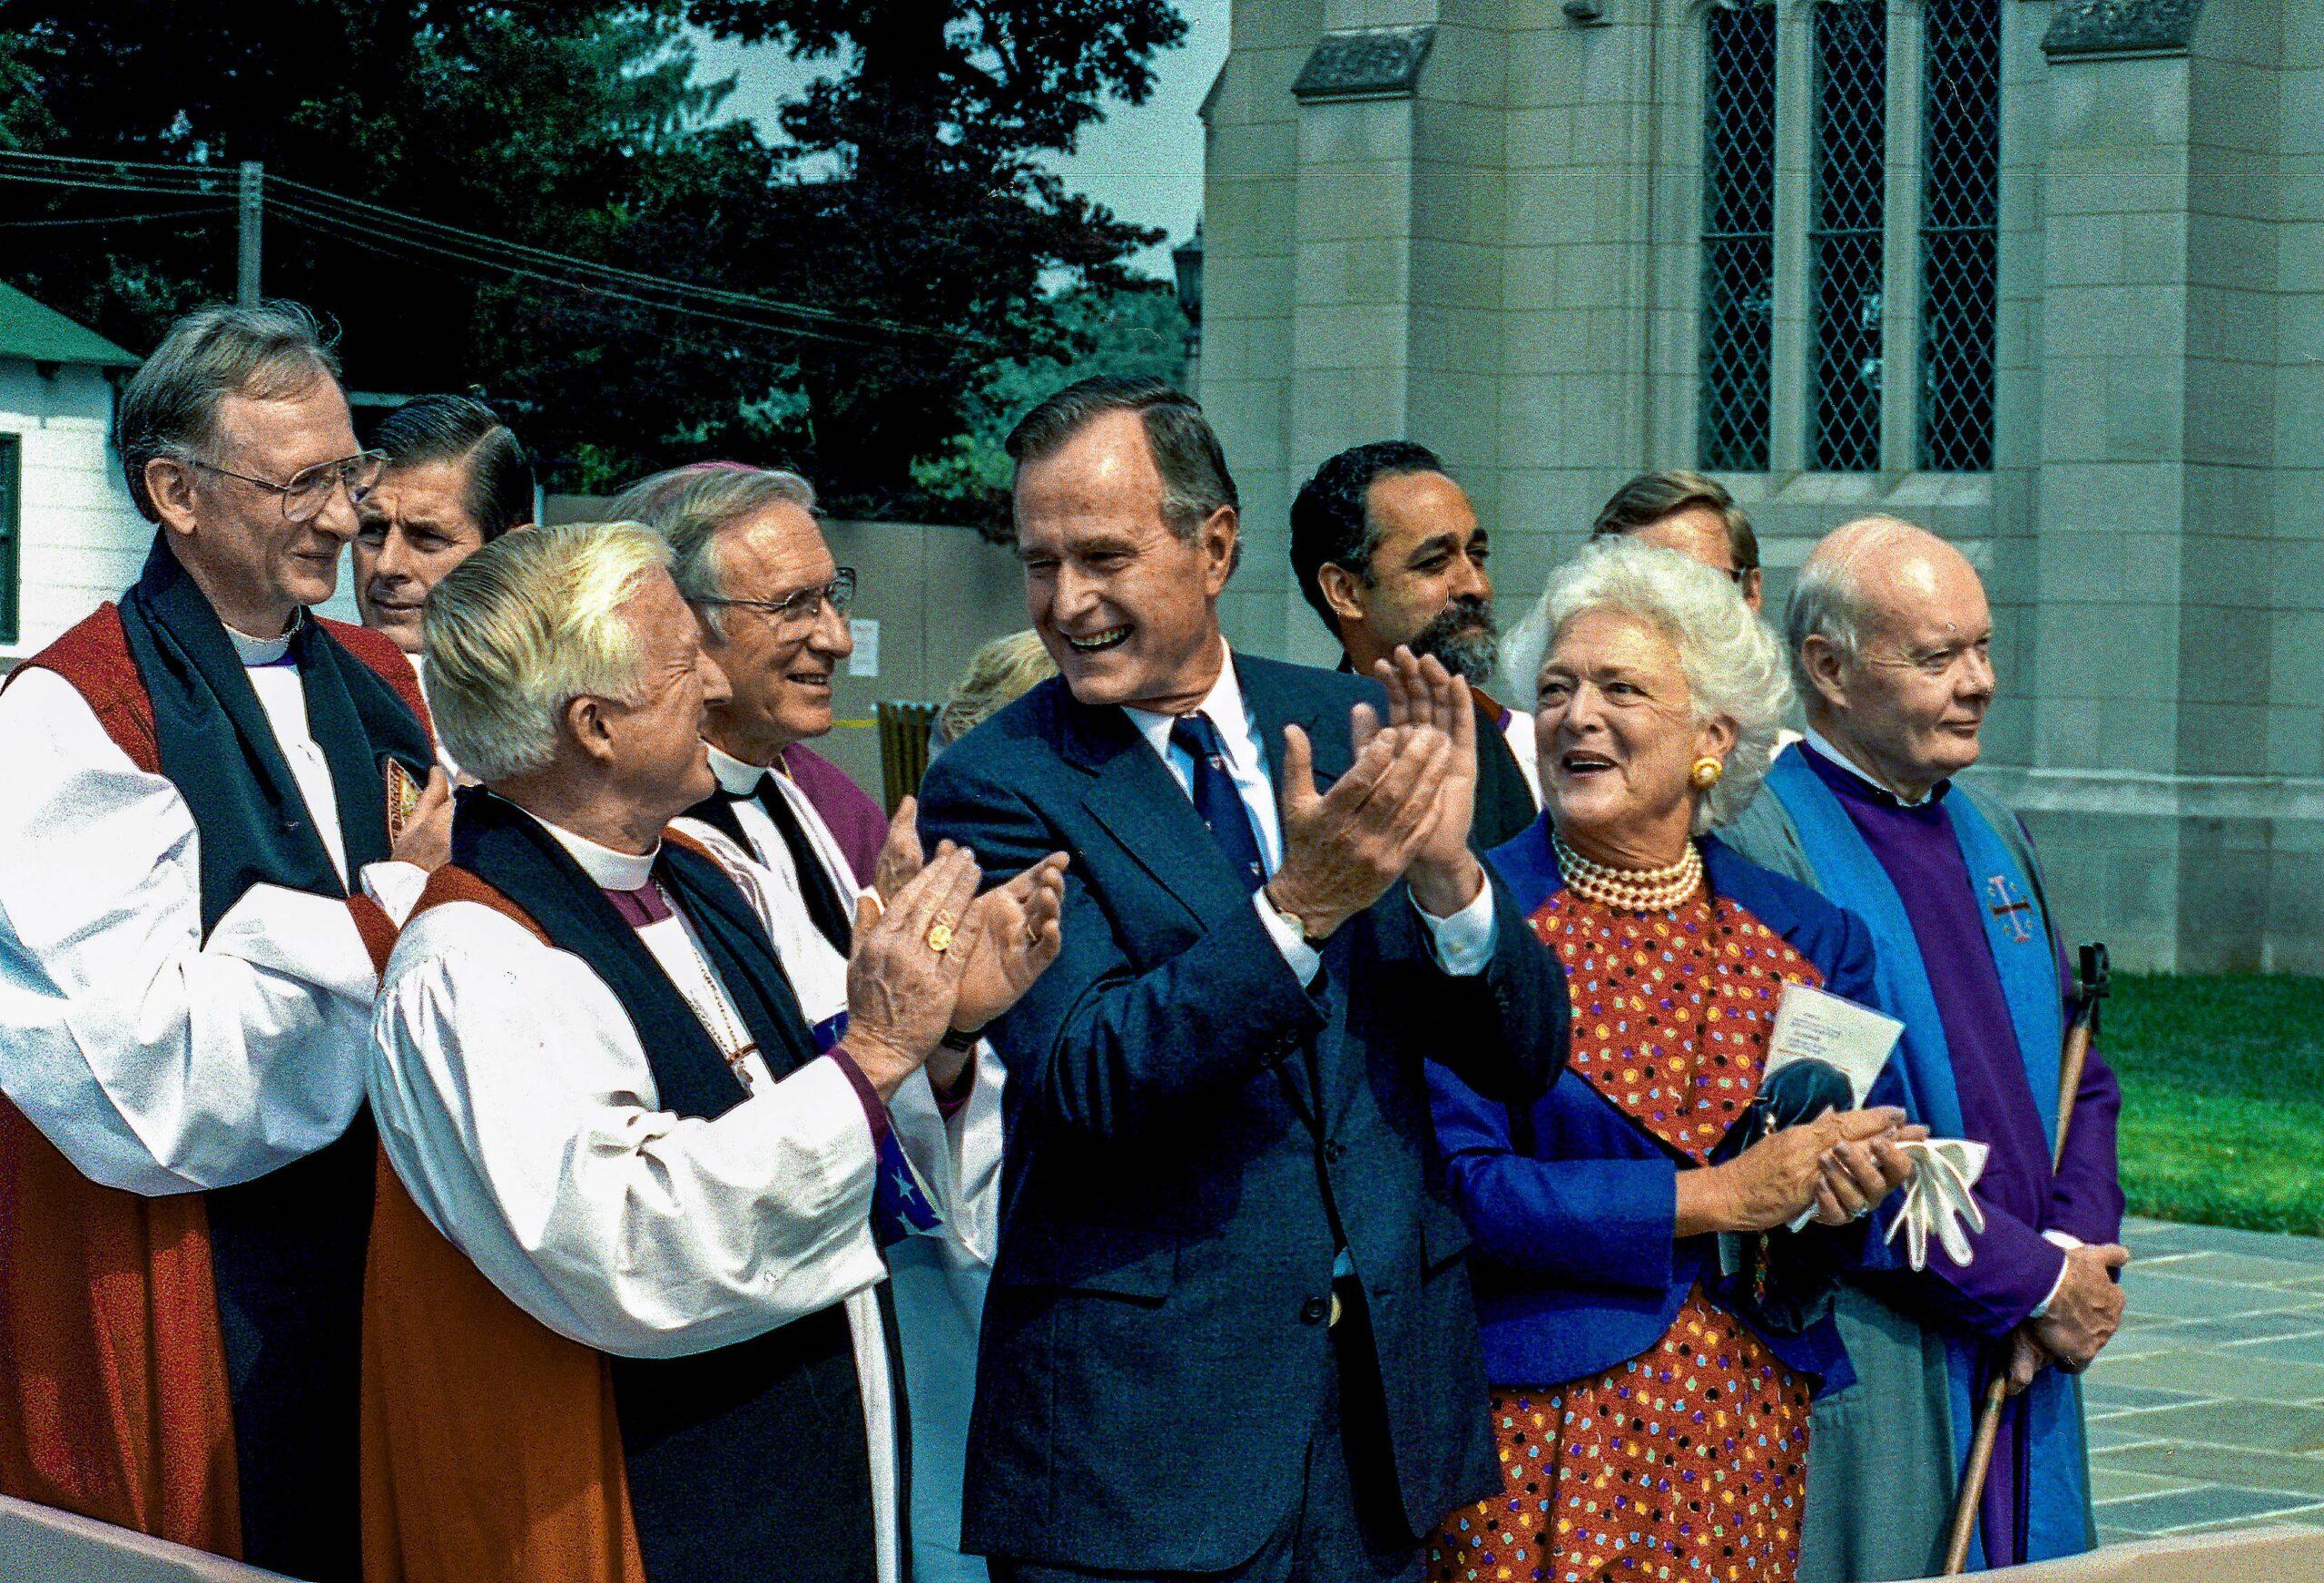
(855, 820)
(2015, 1269)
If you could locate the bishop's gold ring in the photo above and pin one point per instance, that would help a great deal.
(940, 933)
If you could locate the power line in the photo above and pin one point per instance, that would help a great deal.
(207, 209)
(568, 262)
(343, 230)
(385, 230)
(84, 184)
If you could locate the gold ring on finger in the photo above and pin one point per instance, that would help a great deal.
(940, 933)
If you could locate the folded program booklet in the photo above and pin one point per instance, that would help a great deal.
(1849, 1040)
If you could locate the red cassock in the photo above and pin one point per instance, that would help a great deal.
(114, 1398)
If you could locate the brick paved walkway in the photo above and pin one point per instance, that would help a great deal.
(2208, 1410)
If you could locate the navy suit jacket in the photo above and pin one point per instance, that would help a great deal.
(1154, 1356)
(1574, 1204)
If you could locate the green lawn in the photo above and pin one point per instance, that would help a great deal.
(2222, 1097)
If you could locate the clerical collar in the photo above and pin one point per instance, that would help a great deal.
(735, 778)
(1839, 761)
(607, 869)
(255, 652)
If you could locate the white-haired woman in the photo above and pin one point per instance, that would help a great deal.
(1651, 1328)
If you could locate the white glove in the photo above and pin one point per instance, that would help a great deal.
(1939, 1198)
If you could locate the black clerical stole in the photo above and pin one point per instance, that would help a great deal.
(756, 1449)
(826, 908)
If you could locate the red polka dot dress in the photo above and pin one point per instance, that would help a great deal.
(1688, 1462)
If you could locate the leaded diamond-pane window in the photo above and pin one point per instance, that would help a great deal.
(1848, 173)
(1960, 191)
(1737, 237)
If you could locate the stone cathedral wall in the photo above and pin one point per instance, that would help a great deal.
(1474, 223)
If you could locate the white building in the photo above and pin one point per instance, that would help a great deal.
(69, 537)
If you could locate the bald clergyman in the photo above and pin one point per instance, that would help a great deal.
(1891, 641)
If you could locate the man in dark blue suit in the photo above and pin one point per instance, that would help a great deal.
(1229, 1333)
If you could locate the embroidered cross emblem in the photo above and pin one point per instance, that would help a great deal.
(2014, 912)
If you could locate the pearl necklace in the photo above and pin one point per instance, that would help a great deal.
(1629, 889)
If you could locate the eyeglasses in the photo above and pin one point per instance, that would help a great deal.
(305, 495)
(795, 613)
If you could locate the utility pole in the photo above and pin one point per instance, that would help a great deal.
(246, 233)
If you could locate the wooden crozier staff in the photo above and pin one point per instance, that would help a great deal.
(2094, 982)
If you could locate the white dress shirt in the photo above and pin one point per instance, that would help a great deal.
(443, 755)
(1463, 943)
(154, 1060)
(1517, 730)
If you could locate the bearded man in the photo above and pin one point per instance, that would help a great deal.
(1389, 551)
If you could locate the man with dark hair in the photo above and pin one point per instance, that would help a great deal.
(1691, 514)
(1389, 551)
(453, 478)
(211, 819)
(1229, 1332)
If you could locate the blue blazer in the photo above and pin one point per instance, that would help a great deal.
(1154, 1355)
(1578, 1268)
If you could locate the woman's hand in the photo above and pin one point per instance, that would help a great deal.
(1777, 1179)
(900, 989)
(1012, 935)
(1859, 1176)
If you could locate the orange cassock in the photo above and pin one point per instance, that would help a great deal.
(491, 1452)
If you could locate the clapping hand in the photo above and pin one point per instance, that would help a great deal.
(1445, 875)
(1343, 849)
(902, 988)
(899, 856)
(1013, 934)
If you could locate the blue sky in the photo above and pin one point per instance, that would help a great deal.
(1144, 163)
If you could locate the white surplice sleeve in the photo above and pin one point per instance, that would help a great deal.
(517, 1104)
(154, 1060)
(958, 1156)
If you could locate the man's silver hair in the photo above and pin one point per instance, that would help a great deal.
(525, 625)
(689, 505)
(170, 406)
(1828, 600)
(1733, 665)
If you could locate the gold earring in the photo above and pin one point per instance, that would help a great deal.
(1706, 772)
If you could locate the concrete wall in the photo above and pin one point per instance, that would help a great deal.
(1502, 263)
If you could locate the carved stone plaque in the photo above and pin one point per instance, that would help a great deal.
(1365, 63)
(2120, 27)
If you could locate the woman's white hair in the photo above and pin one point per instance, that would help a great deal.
(525, 625)
(1733, 665)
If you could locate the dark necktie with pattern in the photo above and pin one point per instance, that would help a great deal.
(1216, 801)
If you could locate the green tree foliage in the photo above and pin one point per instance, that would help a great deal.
(1138, 331)
(911, 195)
